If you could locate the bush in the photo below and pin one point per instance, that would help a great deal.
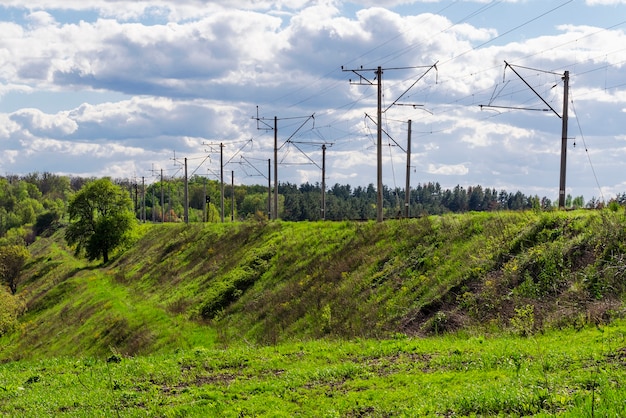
(46, 222)
(11, 307)
(523, 322)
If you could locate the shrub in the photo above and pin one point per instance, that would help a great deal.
(439, 323)
(11, 307)
(523, 322)
(45, 222)
(230, 288)
(614, 205)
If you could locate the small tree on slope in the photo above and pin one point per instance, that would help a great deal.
(100, 218)
(12, 259)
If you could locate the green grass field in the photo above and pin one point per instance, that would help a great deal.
(480, 314)
(565, 373)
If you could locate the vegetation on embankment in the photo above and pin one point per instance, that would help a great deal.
(183, 286)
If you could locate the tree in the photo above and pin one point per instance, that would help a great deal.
(476, 198)
(101, 215)
(12, 259)
(578, 202)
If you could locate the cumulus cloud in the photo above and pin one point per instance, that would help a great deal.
(187, 72)
(38, 123)
(447, 170)
(40, 19)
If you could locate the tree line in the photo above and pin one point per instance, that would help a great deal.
(164, 201)
(38, 200)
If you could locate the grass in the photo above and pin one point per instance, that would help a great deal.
(454, 375)
(179, 285)
(480, 314)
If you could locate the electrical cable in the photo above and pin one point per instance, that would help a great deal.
(353, 104)
(586, 149)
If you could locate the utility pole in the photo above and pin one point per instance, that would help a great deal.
(564, 140)
(143, 199)
(563, 117)
(269, 188)
(222, 180)
(276, 148)
(323, 182)
(323, 168)
(186, 213)
(268, 177)
(407, 189)
(136, 198)
(379, 147)
(169, 201)
(232, 203)
(221, 176)
(162, 199)
(155, 200)
(205, 206)
(275, 215)
(379, 129)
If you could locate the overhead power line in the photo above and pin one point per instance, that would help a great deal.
(563, 117)
(364, 80)
(262, 121)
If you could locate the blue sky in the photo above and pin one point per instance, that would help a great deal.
(124, 88)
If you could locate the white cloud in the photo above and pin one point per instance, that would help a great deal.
(40, 19)
(9, 158)
(186, 72)
(484, 133)
(448, 170)
(41, 124)
(7, 127)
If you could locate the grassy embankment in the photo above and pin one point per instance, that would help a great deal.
(228, 319)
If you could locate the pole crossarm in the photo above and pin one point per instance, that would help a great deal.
(253, 166)
(361, 76)
(386, 133)
(563, 117)
(238, 151)
(299, 127)
(531, 87)
(276, 148)
(514, 108)
(411, 86)
(379, 111)
(295, 144)
(312, 143)
(268, 127)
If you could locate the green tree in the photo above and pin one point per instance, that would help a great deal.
(101, 215)
(578, 202)
(12, 259)
(253, 203)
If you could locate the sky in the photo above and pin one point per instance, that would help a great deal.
(130, 89)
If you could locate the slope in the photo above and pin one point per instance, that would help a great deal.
(181, 286)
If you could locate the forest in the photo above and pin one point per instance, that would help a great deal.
(38, 204)
(40, 200)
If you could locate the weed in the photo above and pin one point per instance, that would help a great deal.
(523, 322)
(437, 324)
